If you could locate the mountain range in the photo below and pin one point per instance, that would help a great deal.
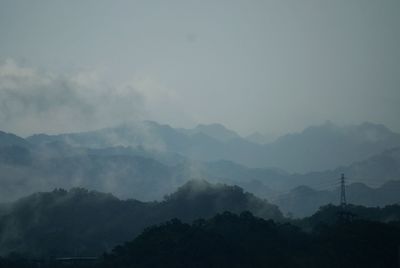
(148, 175)
(316, 148)
(147, 160)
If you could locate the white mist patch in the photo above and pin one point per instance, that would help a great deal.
(33, 101)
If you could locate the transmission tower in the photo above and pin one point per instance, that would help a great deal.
(345, 216)
(342, 192)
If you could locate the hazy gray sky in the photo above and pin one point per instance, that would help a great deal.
(272, 66)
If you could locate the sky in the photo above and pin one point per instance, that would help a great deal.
(270, 66)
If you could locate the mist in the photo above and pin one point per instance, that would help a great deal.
(267, 66)
(44, 102)
(199, 133)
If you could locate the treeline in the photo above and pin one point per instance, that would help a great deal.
(229, 240)
(86, 223)
(46, 229)
(232, 240)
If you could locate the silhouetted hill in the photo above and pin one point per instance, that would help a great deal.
(304, 201)
(199, 196)
(66, 223)
(228, 240)
(328, 215)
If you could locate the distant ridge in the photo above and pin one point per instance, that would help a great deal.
(9, 139)
(160, 158)
(215, 131)
(304, 201)
(316, 148)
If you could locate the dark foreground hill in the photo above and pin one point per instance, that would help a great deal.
(229, 240)
(240, 240)
(328, 215)
(79, 222)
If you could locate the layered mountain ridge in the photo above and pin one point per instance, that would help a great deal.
(316, 148)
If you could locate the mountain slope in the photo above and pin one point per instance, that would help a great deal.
(260, 138)
(200, 144)
(329, 146)
(374, 171)
(304, 201)
(9, 139)
(64, 223)
(215, 131)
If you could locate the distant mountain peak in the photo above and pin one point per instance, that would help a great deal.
(212, 125)
(9, 139)
(196, 187)
(217, 131)
(260, 138)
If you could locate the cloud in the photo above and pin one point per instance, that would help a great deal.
(32, 101)
(162, 103)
